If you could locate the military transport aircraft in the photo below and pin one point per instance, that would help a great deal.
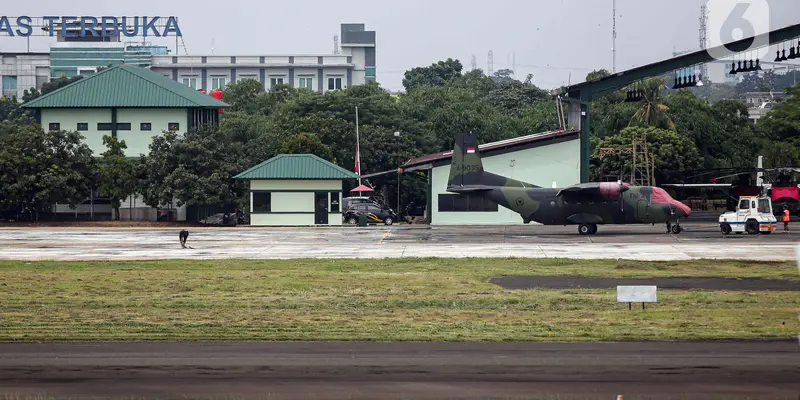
(586, 205)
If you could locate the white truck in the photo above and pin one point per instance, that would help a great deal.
(753, 215)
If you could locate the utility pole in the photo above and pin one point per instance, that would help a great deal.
(514, 64)
(704, 37)
(491, 63)
(614, 38)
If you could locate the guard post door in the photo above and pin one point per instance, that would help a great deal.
(321, 208)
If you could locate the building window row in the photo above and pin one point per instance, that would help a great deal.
(334, 83)
(107, 126)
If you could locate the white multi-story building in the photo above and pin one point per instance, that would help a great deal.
(354, 64)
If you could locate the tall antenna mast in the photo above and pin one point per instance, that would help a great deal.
(514, 64)
(614, 38)
(474, 63)
(704, 36)
(491, 63)
(336, 44)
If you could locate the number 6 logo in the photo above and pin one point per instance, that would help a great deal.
(733, 20)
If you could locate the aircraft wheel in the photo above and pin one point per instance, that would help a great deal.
(726, 228)
(751, 227)
(676, 229)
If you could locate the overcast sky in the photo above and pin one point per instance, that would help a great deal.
(551, 38)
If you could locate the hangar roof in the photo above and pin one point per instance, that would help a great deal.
(494, 148)
(296, 166)
(125, 86)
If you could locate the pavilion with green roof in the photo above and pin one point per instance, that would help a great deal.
(296, 190)
(130, 103)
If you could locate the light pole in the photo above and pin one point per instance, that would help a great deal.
(397, 135)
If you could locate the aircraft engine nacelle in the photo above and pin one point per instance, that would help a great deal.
(612, 189)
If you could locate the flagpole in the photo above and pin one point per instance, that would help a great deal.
(358, 151)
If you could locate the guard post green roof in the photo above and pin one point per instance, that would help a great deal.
(296, 166)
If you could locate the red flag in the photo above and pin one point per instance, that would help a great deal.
(358, 164)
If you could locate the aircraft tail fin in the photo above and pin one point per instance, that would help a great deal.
(466, 168)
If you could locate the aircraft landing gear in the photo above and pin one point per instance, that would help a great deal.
(587, 229)
(676, 229)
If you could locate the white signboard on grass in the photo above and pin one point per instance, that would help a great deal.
(636, 294)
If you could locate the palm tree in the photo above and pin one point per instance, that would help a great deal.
(653, 111)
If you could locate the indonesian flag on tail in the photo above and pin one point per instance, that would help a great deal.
(470, 150)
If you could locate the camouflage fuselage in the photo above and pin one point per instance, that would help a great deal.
(581, 204)
(542, 205)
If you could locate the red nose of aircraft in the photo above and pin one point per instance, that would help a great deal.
(683, 207)
(660, 196)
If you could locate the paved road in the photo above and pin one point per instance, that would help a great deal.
(402, 370)
(643, 242)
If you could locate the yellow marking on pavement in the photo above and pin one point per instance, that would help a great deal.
(385, 235)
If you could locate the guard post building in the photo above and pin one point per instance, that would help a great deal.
(295, 190)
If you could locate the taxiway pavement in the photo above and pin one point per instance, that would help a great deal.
(357, 370)
(636, 242)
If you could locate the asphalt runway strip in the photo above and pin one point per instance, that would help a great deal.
(395, 370)
(687, 283)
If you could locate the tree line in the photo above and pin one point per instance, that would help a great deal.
(684, 130)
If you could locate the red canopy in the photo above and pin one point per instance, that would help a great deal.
(362, 188)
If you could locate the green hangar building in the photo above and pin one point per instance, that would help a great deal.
(540, 159)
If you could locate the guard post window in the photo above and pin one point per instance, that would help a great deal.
(334, 201)
(262, 202)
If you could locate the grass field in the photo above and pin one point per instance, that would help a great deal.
(405, 299)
